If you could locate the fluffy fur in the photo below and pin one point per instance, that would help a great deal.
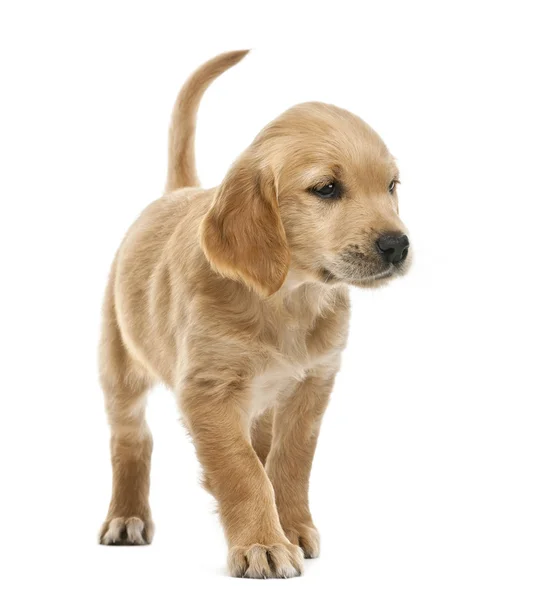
(237, 299)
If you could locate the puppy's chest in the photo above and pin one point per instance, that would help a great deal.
(304, 337)
(273, 385)
(289, 364)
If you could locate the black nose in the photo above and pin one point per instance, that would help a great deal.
(393, 247)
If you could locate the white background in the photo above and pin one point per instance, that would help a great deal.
(429, 479)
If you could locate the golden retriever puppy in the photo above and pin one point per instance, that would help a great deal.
(237, 299)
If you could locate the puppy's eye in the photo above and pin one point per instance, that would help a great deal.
(392, 185)
(330, 191)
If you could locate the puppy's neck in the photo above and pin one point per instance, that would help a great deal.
(303, 293)
(295, 280)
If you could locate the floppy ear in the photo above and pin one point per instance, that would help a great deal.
(242, 234)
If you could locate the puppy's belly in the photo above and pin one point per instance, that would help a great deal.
(272, 386)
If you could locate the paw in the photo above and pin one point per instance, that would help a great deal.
(265, 562)
(126, 531)
(306, 537)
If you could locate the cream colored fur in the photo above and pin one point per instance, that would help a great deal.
(237, 299)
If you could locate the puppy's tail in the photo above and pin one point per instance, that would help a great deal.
(181, 170)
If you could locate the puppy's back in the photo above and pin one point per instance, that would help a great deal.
(160, 262)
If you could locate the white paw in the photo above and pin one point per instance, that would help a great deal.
(264, 562)
(306, 537)
(126, 531)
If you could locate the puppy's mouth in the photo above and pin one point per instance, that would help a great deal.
(354, 278)
(360, 270)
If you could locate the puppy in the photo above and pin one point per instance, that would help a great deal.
(237, 299)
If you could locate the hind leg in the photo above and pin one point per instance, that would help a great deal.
(124, 384)
(129, 518)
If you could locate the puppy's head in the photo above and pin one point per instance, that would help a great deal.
(315, 192)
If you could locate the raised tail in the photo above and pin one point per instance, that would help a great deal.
(181, 170)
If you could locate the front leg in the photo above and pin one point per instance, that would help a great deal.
(295, 432)
(215, 409)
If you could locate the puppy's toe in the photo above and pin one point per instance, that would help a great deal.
(126, 531)
(258, 561)
(306, 537)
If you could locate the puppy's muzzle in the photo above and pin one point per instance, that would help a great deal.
(393, 247)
